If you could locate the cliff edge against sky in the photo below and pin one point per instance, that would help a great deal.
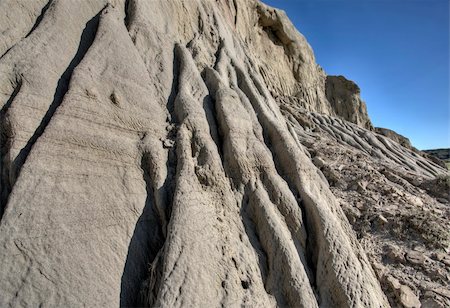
(192, 153)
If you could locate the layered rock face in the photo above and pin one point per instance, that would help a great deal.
(344, 97)
(396, 200)
(158, 153)
(402, 140)
(442, 154)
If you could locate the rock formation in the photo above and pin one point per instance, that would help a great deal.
(443, 154)
(402, 140)
(180, 153)
(345, 100)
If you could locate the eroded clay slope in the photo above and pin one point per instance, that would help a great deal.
(396, 200)
(145, 160)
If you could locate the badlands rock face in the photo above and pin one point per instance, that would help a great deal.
(442, 154)
(192, 153)
(402, 140)
(345, 100)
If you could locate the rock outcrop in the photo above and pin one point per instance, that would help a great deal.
(443, 154)
(402, 140)
(396, 200)
(344, 97)
(160, 153)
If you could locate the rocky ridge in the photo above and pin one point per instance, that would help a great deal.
(180, 153)
(402, 140)
(439, 155)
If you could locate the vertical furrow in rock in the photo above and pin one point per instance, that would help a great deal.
(211, 117)
(146, 242)
(163, 197)
(203, 222)
(165, 68)
(335, 248)
(164, 193)
(254, 238)
(8, 103)
(128, 13)
(40, 17)
(272, 207)
(97, 236)
(87, 38)
(192, 224)
(5, 135)
(170, 142)
(14, 28)
(235, 12)
(285, 270)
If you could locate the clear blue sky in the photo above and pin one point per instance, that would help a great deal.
(397, 51)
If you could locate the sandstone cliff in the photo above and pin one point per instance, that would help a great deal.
(158, 153)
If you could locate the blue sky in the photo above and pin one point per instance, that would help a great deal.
(397, 51)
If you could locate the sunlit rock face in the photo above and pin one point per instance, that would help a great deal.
(168, 154)
(345, 101)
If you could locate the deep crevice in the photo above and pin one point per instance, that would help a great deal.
(36, 24)
(245, 284)
(87, 39)
(147, 292)
(310, 264)
(4, 54)
(5, 139)
(128, 14)
(252, 235)
(209, 104)
(217, 56)
(171, 121)
(310, 254)
(175, 86)
(8, 103)
(146, 242)
(236, 12)
(40, 17)
(171, 165)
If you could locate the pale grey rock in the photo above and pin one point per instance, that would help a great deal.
(344, 97)
(402, 140)
(18, 19)
(375, 177)
(405, 296)
(415, 257)
(157, 153)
